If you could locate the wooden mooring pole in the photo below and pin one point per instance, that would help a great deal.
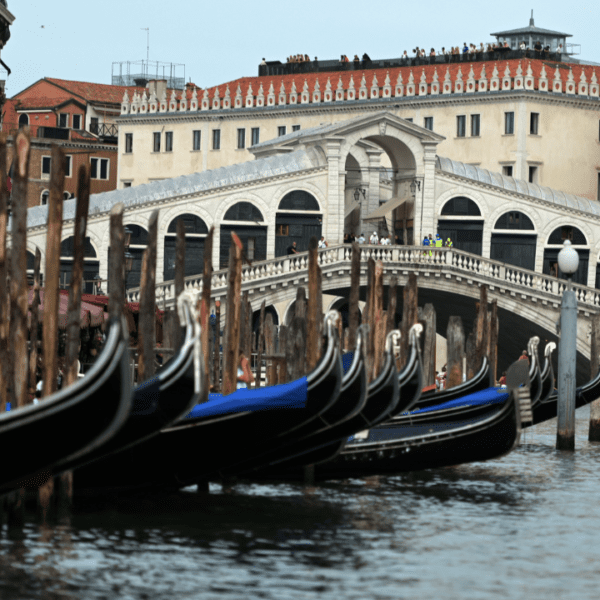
(410, 314)
(5, 355)
(147, 316)
(353, 311)
(594, 432)
(427, 317)
(455, 337)
(205, 303)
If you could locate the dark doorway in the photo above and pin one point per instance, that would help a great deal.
(513, 249)
(551, 265)
(196, 231)
(295, 228)
(254, 239)
(465, 235)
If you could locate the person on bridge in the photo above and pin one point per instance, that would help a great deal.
(292, 249)
(322, 242)
(438, 241)
(361, 238)
(449, 243)
(374, 239)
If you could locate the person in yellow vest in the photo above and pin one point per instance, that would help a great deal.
(439, 243)
(449, 243)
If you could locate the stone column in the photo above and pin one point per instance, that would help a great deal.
(425, 217)
(372, 203)
(335, 195)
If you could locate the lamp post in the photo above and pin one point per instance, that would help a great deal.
(568, 261)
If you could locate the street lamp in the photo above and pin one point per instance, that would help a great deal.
(568, 262)
(357, 192)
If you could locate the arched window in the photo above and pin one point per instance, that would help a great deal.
(567, 232)
(299, 200)
(514, 220)
(461, 207)
(68, 195)
(191, 223)
(137, 244)
(91, 266)
(44, 197)
(23, 120)
(196, 231)
(243, 211)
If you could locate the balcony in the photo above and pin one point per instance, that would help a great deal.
(107, 131)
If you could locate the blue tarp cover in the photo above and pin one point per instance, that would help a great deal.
(490, 396)
(285, 395)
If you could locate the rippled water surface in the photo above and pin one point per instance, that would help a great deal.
(526, 526)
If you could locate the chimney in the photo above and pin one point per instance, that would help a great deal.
(158, 86)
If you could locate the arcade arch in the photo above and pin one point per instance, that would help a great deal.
(514, 240)
(248, 223)
(461, 220)
(196, 231)
(91, 264)
(298, 218)
(555, 244)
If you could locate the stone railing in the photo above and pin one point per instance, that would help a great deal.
(275, 273)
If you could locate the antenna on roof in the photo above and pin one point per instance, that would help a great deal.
(531, 23)
(147, 30)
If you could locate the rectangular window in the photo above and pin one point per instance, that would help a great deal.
(196, 137)
(76, 121)
(46, 164)
(216, 139)
(63, 120)
(509, 123)
(241, 138)
(428, 123)
(281, 130)
(169, 141)
(250, 248)
(128, 143)
(156, 141)
(475, 121)
(461, 126)
(99, 168)
(255, 136)
(126, 184)
(295, 127)
(507, 170)
(534, 121)
(283, 230)
(409, 119)
(94, 125)
(68, 165)
(533, 174)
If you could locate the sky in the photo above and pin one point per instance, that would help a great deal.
(222, 41)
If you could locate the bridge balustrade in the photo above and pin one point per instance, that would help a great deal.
(272, 272)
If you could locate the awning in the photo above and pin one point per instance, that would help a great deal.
(386, 208)
(351, 207)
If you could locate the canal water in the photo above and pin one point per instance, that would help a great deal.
(525, 526)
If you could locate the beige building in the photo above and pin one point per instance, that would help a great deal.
(529, 118)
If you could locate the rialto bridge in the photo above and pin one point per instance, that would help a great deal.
(327, 181)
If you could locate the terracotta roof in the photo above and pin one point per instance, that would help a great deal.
(95, 92)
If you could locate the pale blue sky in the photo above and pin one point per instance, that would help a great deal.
(221, 41)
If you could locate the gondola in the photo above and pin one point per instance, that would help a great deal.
(383, 451)
(175, 389)
(327, 445)
(44, 439)
(546, 410)
(214, 433)
(379, 399)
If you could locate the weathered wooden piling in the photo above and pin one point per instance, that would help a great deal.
(482, 328)
(269, 333)
(594, 431)
(75, 289)
(353, 311)
(410, 314)
(5, 355)
(179, 278)
(379, 320)
(314, 307)
(455, 337)
(281, 359)
(232, 317)
(205, 300)
(368, 317)
(391, 306)
(147, 316)
(493, 353)
(18, 332)
(116, 271)
(260, 344)
(217, 354)
(427, 317)
(470, 354)
(35, 321)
